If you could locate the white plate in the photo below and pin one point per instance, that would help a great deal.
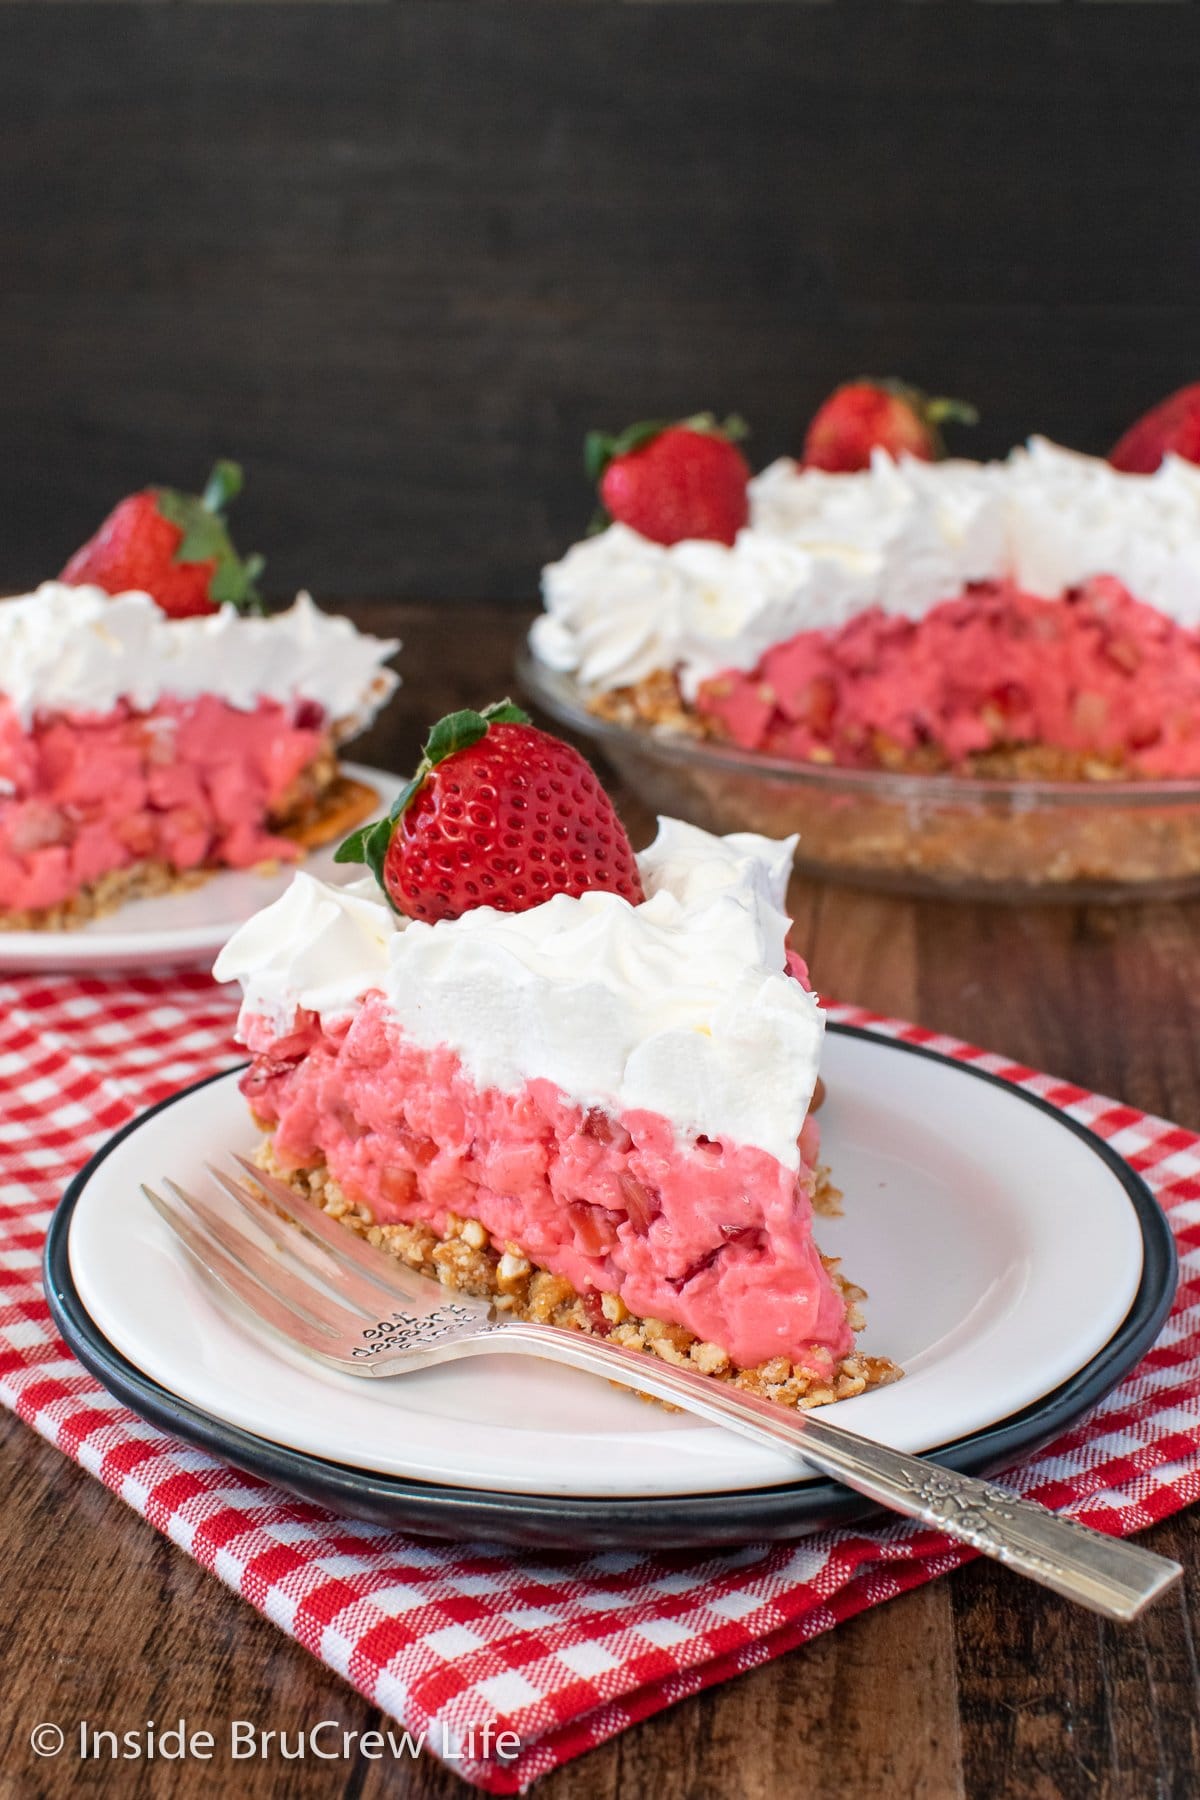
(1000, 1252)
(174, 929)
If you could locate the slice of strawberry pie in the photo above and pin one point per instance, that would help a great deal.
(541, 1069)
(155, 724)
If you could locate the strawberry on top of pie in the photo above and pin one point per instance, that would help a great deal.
(156, 724)
(544, 1070)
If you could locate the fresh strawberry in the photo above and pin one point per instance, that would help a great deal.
(1170, 428)
(672, 482)
(886, 415)
(498, 814)
(174, 547)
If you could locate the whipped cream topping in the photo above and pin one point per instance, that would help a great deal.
(679, 1005)
(66, 649)
(901, 535)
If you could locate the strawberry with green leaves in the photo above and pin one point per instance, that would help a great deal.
(887, 415)
(174, 547)
(498, 814)
(673, 481)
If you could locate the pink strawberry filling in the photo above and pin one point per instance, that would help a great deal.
(190, 783)
(709, 1234)
(1094, 671)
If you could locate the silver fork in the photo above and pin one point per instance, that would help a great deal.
(356, 1309)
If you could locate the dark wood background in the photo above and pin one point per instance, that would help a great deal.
(397, 258)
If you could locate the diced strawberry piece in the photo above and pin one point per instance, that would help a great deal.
(641, 1204)
(593, 1307)
(398, 1186)
(730, 1234)
(309, 715)
(35, 828)
(606, 1130)
(423, 1150)
(595, 1229)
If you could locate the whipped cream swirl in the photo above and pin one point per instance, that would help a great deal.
(901, 535)
(680, 1005)
(65, 649)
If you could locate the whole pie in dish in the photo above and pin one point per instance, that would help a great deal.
(155, 725)
(525, 1062)
(1036, 617)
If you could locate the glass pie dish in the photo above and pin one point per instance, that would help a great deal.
(945, 835)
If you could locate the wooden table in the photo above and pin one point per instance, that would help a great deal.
(978, 1684)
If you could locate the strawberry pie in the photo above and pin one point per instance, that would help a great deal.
(1038, 616)
(155, 725)
(538, 1068)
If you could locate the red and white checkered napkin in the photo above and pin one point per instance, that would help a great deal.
(563, 1652)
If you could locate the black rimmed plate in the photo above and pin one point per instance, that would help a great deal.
(1017, 1266)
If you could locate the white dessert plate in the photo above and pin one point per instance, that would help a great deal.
(170, 930)
(1015, 1267)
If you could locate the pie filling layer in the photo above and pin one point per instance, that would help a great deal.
(187, 785)
(707, 1236)
(1109, 685)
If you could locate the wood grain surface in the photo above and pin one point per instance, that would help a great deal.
(978, 1685)
(399, 258)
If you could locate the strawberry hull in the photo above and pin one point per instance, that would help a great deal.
(191, 784)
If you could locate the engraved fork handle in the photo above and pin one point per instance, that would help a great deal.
(1108, 1575)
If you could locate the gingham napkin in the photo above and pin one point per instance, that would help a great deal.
(460, 1643)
